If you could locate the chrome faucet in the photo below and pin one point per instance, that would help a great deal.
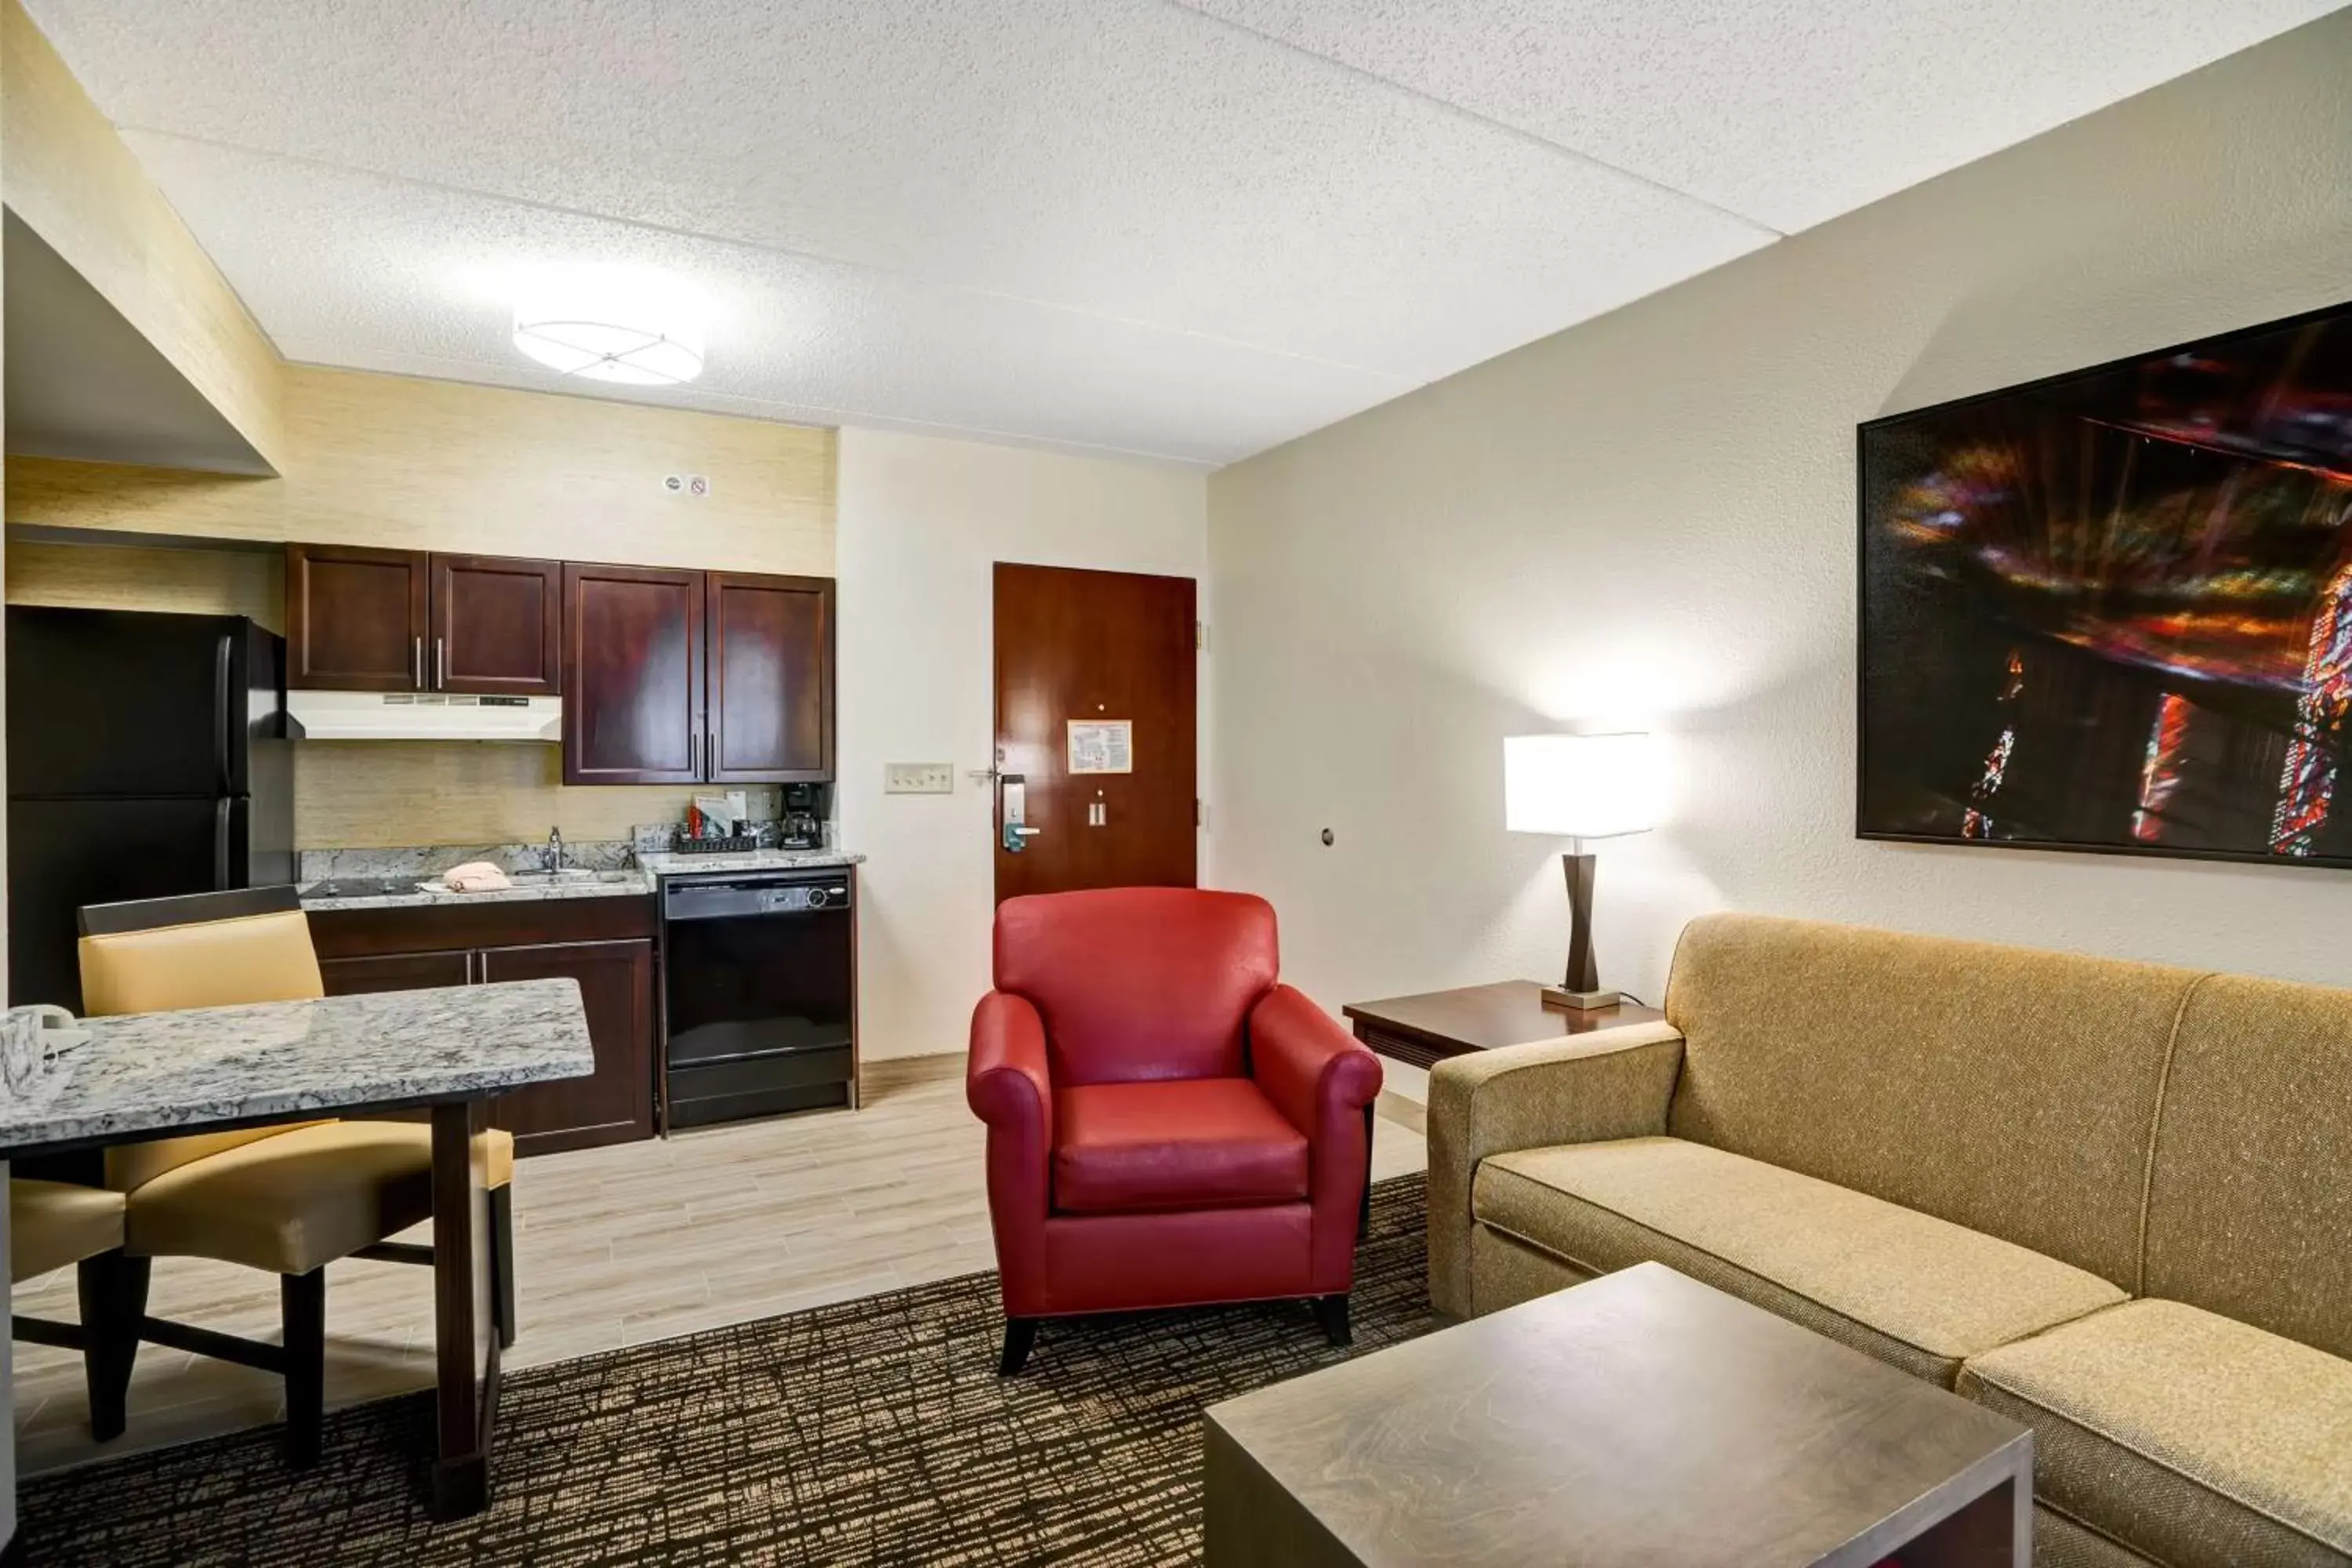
(554, 851)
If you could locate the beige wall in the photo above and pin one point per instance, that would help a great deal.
(922, 523)
(435, 465)
(1649, 520)
(426, 464)
(112, 577)
(71, 178)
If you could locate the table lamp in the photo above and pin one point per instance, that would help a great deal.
(1578, 787)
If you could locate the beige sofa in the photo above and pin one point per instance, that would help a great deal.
(2111, 1200)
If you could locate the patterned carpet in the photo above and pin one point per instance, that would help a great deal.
(874, 1431)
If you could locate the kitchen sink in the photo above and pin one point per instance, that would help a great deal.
(570, 874)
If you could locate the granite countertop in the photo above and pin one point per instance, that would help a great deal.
(203, 1066)
(529, 887)
(753, 861)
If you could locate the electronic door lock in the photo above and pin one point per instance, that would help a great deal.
(1013, 795)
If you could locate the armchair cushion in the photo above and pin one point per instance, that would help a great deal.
(1212, 1142)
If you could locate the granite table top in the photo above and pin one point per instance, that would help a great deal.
(204, 1069)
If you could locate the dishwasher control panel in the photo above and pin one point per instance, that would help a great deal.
(732, 898)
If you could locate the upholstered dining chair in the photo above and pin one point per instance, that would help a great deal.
(50, 1224)
(287, 1199)
(1168, 1124)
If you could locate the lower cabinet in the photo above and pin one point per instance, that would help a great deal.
(616, 987)
(607, 947)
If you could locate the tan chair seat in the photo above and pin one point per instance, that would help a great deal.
(292, 1203)
(2188, 1436)
(52, 1224)
(1913, 1290)
(501, 1143)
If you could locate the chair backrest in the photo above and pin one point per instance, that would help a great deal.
(2007, 1090)
(1139, 984)
(2250, 1195)
(200, 949)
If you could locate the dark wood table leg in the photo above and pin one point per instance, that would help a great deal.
(466, 1347)
(1364, 1208)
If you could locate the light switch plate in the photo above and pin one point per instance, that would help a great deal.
(919, 778)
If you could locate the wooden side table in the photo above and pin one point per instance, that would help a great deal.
(1426, 1029)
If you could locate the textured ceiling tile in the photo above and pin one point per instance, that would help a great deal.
(1120, 224)
(344, 268)
(1124, 156)
(1789, 111)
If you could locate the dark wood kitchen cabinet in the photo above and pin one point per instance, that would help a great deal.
(362, 619)
(678, 676)
(633, 656)
(497, 626)
(616, 988)
(770, 718)
(604, 943)
(396, 971)
(356, 618)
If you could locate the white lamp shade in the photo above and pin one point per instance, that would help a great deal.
(1579, 786)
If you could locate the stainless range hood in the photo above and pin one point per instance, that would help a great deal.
(421, 716)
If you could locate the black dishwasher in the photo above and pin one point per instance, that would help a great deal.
(759, 995)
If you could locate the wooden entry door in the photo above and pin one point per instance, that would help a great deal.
(1098, 650)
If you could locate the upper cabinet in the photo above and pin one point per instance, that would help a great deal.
(360, 619)
(356, 618)
(769, 718)
(668, 676)
(497, 626)
(633, 665)
(696, 677)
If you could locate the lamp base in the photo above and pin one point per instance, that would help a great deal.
(1565, 1001)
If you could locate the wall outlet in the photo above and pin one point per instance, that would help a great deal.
(919, 778)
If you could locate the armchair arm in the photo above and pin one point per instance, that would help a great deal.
(1614, 1083)
(1009, 1087)
(1321, 1078)
(1306, 1063)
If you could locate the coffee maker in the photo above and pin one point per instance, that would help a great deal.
(800, 825)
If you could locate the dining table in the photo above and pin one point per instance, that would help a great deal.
(446, 1052)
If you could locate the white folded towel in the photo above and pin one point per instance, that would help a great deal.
(474, 877)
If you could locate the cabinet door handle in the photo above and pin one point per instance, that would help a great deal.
(440, 666)
(710, 756)
(416, 663)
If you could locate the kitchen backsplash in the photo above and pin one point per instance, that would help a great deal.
(389, 793)
(429, 860)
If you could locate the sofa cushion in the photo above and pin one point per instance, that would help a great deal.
(2005, 1090)
(1127, 1147)
(1919, 1292)
(2186, 1436)
(2250, 1197)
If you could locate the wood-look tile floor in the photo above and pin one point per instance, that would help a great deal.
(613, 1247)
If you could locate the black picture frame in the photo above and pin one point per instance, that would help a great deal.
(1863, 830)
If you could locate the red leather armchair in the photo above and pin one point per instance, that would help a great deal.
(1168, 1125)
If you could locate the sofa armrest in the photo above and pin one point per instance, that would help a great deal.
(1009, 1087)
(1613, 1083)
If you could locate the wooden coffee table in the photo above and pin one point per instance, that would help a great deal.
(1639, 1418)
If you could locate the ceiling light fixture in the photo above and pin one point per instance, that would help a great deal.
(608, 328)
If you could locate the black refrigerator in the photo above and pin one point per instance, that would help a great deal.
(147, 756)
